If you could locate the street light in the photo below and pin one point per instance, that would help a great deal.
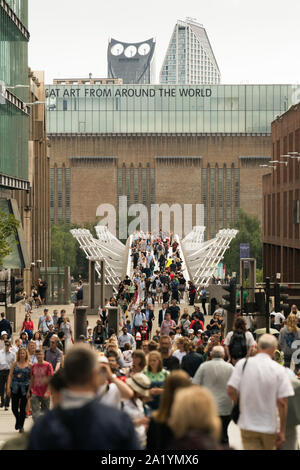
(36, 102)
(17, 86)
(277, 161)
(295, 156)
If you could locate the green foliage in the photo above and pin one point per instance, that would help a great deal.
(65, 250)
(249, 232)
(259, 276)
(8, 227)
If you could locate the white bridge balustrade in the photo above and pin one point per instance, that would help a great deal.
(107, 247)
(202, 258)
(199, 259)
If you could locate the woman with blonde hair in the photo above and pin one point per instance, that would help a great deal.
(194, 420)
(159, 434)
(157, 375)
(288, 335)
(17, 386)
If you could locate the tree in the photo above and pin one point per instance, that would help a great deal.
(65, 250)
(249, 232)
(63, 246)
(8, 227)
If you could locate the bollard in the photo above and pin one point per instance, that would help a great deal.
(113, 319)
(80, 322)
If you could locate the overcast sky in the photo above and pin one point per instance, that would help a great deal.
(254, 41)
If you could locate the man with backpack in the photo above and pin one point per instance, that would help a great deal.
(239, 341)
(196, 324)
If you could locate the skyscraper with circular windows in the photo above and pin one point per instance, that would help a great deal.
(133, 62)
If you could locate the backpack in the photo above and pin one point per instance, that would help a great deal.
(196, 326)
(238, 345)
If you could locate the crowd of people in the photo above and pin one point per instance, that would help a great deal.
(174, 387)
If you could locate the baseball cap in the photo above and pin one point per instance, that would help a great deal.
(4, 333)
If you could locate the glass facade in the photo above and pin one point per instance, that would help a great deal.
(189, 58)
(147, 109)
(14, 123)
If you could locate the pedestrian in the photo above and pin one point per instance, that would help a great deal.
(111, 389)
(39, 382)
(214, 375)
(134, 407)
(165, 348)
(157, 375)
(4, 338)
(138, 361)
(239, 341)
(288, 337)
(98, 335)
(194, 420)
(174, 310)
(17, 386)
(192, 293)
(81, 422)
(42, 291)
(181, 348)
(203, 298)
(159, 434)
(53, 355)
(66, 328)
(7, 357)
(48, 336)
(37, 338)
(31, 347)
(46, 321)
(167, 325)
(28, 326)
(261, 386)
(5, 325)
(24, 339)
(125, 338)
(192, 360)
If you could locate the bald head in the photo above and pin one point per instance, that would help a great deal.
(267, 343)
(217, 352)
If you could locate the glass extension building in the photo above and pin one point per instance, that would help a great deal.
(161, 144)
(14, 114)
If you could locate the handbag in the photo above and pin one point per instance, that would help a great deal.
(235, 413)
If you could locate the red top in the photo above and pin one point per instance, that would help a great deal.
(28, 325)
(40, 374)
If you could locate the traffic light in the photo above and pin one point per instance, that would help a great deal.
(16, 288)
(231, 297)
(280, 296)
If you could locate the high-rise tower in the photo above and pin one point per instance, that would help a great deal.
(189, 59)
(132, 62)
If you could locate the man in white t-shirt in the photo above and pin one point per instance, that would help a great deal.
(262, 387)
(113, 390)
